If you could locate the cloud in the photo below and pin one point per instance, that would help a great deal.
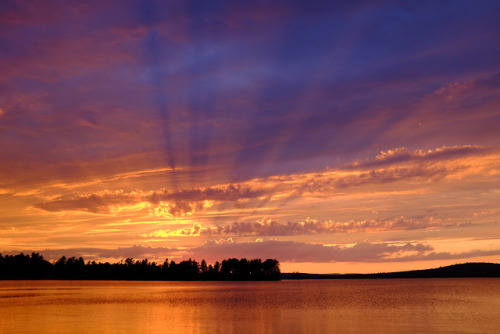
(229, 193)
(290, 251)
(89, 253)
(404, 165)
(91, 203)
(269, 227)
(175, 203)
(398, 165)
(388, 175)
(283, 251)
(403, 154)
(195, 230)
(460, 111)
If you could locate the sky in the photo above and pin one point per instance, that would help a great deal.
(334, 136)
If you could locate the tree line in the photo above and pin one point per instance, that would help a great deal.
(34, 266)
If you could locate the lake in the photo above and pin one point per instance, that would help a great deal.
(461, 305)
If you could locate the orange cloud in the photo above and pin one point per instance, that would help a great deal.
(177, 203)
(269, 227)
(399, 166)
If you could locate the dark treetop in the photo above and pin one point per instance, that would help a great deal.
(34, 266)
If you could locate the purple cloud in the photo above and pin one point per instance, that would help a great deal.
(268, 227)
(284, 251)
(403, 154)
(290, 251)
(183, 201)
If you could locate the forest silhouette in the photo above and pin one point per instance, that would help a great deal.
(34, 267)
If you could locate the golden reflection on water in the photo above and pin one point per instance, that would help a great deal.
(310, 306)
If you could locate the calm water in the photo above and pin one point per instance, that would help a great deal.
(311, 306)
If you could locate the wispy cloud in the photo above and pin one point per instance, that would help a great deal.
(400, 166)
(290, 251)
(269, 227)
(284, 251)
(403, 154)
(175, 203)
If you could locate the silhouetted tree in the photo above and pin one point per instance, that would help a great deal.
(271, 268)
(24, 266)
(203, 267)
(34, 266)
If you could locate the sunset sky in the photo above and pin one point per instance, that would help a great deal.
(334, 136)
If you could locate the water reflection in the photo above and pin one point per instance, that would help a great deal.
(314, 306)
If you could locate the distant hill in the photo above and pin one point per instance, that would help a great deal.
(456, 270)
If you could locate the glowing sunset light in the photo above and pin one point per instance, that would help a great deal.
(332, 136)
